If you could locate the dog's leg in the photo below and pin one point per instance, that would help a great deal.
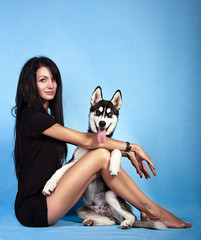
(53, 181)
(112, 200)
(115, 162)
(79, 153)
(91, 218)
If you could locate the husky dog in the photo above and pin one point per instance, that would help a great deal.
(101, 205)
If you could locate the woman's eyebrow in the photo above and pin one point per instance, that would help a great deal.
(42, 76)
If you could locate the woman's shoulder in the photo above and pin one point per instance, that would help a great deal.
(33, 110)
(32, 113)
(35, 121)
(27, 111)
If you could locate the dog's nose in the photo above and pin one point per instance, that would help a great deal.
(102, 124)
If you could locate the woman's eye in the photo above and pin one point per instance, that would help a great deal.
(42, 80)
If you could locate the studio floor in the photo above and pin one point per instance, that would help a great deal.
(70, 227)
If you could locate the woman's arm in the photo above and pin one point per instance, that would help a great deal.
(90, 141)
(86, 140)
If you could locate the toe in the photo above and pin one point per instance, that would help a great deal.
(188, 225)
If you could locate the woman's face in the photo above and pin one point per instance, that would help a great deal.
(47, 86)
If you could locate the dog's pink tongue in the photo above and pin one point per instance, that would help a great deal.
(101, 136)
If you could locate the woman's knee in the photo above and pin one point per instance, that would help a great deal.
(102, 155)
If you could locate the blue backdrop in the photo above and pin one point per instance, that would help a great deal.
(148, 49)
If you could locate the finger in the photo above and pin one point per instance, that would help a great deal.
(141, 166)
(145, 157)
(142, 170)
(149, 162)
(135, 164)
(152, 169)
(146, 171)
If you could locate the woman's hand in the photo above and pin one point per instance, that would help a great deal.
(137, 158)
(89, 141)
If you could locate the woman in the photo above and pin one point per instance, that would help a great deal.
(40, 149)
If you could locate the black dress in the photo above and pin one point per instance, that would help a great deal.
(39, 159)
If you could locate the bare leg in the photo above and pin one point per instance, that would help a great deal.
(74, 182)
(124, 187)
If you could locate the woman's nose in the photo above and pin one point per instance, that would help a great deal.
(50, 84)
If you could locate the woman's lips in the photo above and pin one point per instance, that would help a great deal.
(50, 93)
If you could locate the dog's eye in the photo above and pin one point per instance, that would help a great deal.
(93, 204)
(109, 115)
(98, 113)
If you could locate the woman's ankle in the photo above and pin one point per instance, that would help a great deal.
(151, 212)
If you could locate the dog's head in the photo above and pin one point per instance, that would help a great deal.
(104, 114)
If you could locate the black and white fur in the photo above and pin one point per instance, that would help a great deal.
(101, 205)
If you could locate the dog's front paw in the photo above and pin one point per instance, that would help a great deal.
(88, 222)
(126, 224)
(114, 169)
(49, 186)
(114, 172)
(115, 162)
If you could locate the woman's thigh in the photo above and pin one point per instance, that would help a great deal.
(74, 182)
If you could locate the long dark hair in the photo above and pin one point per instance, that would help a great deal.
(27, 94)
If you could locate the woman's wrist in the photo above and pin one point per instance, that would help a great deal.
(131, 147)
(134, 147)
(128, 147)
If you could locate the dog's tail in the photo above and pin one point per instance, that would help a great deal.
(149, 224)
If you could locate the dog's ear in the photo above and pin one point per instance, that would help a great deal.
(117, 99)
(96, 96)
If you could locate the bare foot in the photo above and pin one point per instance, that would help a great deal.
(170, 220)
